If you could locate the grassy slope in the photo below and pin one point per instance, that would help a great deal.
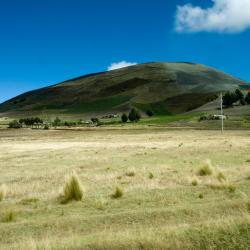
(160, 213)
(167, 88)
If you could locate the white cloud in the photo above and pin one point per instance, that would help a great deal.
(225, 16)
(120, 65)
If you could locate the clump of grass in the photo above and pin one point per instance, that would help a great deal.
(9, 216)
(3, 192)
(248, 206)
(150, 175)
(221, 177)
(130, 173)
(201, 196)
(72, 189)
(118, 193)
(101, 203)
(231, 188)
(223, 185)
(195, 181)
(207, 169)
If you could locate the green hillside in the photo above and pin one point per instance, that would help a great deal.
(166, 88)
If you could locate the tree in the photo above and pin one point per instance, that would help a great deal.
(134, 115)
(247, 98)
(15, 124)
(149, 113)
(124, 118)
(229, 98)
(56, 122)
(239, 95)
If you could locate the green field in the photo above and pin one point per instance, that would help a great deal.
(166, 202)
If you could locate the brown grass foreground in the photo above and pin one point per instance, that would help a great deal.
(163, 212)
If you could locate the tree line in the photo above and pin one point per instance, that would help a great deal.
(230, 98)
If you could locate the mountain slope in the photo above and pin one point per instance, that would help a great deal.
(164, 87)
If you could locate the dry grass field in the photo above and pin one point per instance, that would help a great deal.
(182, 189)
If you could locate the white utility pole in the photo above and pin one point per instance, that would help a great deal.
(222, 115)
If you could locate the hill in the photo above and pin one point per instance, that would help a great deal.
(166, 88)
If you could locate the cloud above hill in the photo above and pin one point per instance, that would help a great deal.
(225, 16)
(119, 65)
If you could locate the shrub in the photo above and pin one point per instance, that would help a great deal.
(134, 115)
(207, 169)
(118, 193)
(9, 216)
(3, 191)
(72, 189)
(15, 124)
(149, 113)
(124, 118)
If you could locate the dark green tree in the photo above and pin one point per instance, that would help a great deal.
(56, 122)
(239, 95)
(15, 124)
(134, 115)
(247, 98)
(124, 118)
(149, 113)
(229, 99)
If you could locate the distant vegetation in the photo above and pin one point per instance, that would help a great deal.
(232, 97)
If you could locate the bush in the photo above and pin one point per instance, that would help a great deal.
(72, 189)
(207, 169)
(124, 118)
(134, 115)
(3, 191)
(149, 113)
(118, 193)
(15, 124)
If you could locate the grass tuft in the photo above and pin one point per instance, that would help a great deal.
(9, 216)
(207, 169)
(150, 175)
(221, 177)
(72, 189)
(3, 192)
(195, 181)
(130, 173)
(118, 193)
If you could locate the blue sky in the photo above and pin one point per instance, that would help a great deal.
(47, 41)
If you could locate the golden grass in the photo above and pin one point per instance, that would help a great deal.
(163, 211)
(73, 189)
